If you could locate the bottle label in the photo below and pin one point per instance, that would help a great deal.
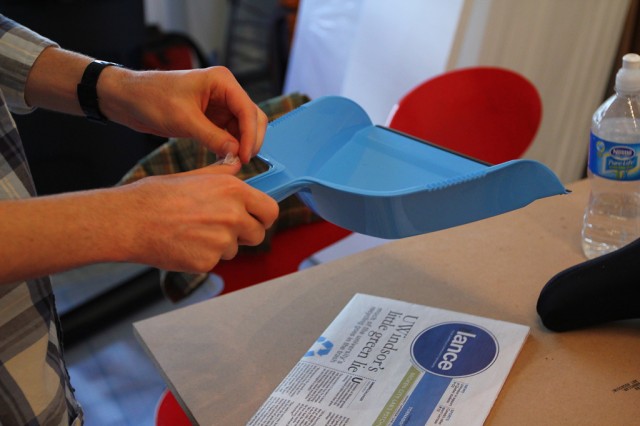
(612, 160)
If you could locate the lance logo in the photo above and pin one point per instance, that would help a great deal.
(454, 349)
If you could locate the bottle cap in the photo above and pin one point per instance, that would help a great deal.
(628, 77)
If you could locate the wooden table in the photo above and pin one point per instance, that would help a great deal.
(223, 357)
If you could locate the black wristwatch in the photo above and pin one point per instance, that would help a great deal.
(87, 93)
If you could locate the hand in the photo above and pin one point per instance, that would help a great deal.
(208, 105)
(189, 221)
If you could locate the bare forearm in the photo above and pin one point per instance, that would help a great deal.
(50, 234)
(53, 80)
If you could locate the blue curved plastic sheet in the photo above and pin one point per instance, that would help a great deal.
(375, 181)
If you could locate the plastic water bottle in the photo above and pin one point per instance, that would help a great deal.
(612, 216)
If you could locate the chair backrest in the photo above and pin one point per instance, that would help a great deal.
(487, 113)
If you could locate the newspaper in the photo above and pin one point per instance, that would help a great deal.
(387, 362)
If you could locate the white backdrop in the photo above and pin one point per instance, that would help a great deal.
(370, 51)
(375, 51)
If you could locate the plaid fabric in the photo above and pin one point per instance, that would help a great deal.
(34, 383)
(180, 155)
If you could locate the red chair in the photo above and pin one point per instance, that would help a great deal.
(487, 113)
(289, 248)
(169, 412)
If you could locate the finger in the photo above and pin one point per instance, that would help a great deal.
(246, 118)
(228, 168)
(261, 121)
(230, 251)
(261, 131)
(218, 140)
(248, 127)
(234, 128)
(262, 207)
(252, 234)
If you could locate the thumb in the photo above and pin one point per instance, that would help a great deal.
(229, 165)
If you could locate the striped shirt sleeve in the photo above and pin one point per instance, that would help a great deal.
(19, 49)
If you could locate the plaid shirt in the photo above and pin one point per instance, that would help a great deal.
(34, 383)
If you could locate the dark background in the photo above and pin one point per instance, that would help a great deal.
(68, 153)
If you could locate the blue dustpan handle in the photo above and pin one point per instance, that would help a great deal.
(275, 182)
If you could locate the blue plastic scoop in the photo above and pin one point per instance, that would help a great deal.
(379, 182)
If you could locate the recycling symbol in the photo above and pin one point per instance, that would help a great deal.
(321, 347)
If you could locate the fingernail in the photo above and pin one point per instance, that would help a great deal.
(228, 159)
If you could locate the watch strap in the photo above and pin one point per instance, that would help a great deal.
(87, 92)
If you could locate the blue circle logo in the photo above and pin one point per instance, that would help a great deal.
(454, 349)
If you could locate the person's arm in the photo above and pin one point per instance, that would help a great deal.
(53, 80)
(205, 104)
(182, 222)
